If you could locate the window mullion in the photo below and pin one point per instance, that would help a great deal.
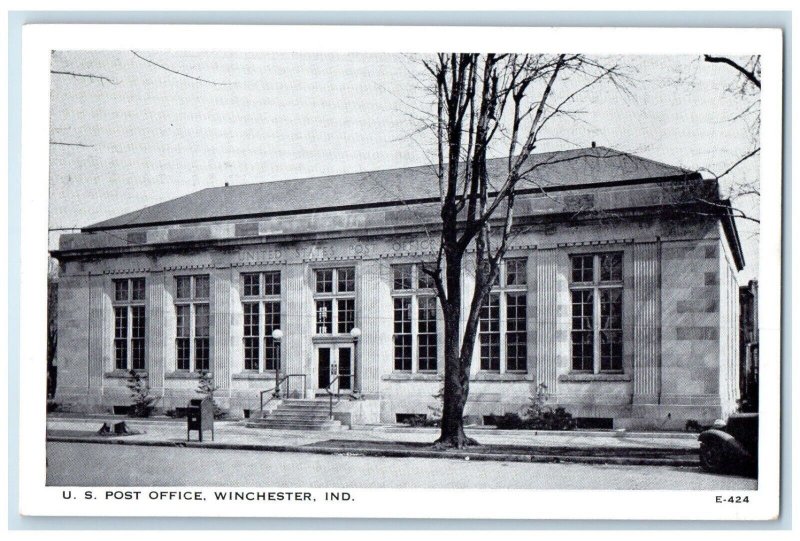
(262, 335)
(414, 332)
(192, 361)
(502, 325)
(596, 315)
(129, 338)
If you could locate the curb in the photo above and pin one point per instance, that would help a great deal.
(683, 461)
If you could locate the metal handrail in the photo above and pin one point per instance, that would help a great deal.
(276, 389)
(330, 396)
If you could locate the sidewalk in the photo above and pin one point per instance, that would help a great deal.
(507, 445)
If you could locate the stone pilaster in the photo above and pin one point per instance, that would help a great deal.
(547, 318)
(647, 323)
(157, 324)
(298, 310)
(99, 318)
(369, 309)
(532, 307)
(221, 322)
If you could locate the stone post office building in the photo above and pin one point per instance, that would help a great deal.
(619, 293)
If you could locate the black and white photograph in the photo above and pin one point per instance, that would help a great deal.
(280, 271)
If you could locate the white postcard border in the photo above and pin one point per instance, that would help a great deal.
(39, 40)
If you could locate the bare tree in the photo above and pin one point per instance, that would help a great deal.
(487, 104)
(746, 85)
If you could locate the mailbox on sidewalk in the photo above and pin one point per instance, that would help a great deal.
(200, 416)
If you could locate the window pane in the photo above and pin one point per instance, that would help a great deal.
(516, 332)
(137, 353)
(516, 272)
(611, 267)
(137, 289)
(121, 322)
(251, 340)
(201, 320)
(516, 352)
(272, 317)
(583, 268)
(611, 329)
(582, 350)
(402, 276)
(182, 353)
(402, 315)
(272, 283)
(251, 318)
(182, 320)
(346, 315)
(137, 322)
(201, 286)
(137, 337)
(427, 333)
(324, 317)
(402, 352)
(490, 351)
(425, 280)
(201, 354)
(610, 350)
(402, 334)
(583, 330)
(121, 338)
(490, 314)
(489, 329)
(346, 278)
(251, 285)
(272, 357)
(611, 309)
(272, 322)
(516, 312)
(183, 287)
(251, 353)
(120, 290)
(324, 280)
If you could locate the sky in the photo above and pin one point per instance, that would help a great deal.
(148, 135)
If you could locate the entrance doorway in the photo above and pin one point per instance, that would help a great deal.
(335, 364)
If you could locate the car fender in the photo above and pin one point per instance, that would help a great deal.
(728, 442)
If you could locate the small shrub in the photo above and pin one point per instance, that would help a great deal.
(537, 416)
(508, 421)
(207, 388)
(143, 401)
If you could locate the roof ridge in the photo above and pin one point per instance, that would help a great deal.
(398, 183)
(384, 170)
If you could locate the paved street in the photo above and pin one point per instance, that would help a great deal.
(77, 464)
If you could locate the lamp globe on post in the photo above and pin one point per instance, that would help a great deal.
(355, 333)
(277, 335)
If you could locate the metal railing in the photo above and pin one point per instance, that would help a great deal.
(330, 396)
(352, 394)
(276, 389)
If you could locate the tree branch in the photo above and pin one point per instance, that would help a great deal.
(750, 75)
(86, 75)
(137, 55)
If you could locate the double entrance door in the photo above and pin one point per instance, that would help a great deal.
(335, 367)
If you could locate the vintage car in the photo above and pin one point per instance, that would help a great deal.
(732, 446)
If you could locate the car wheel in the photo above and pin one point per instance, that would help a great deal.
(712, 457)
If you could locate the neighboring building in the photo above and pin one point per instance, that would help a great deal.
(618, 293)
(748, 346)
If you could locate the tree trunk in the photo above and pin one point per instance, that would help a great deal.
(456, 373)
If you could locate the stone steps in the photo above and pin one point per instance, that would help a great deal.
(298, 414)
